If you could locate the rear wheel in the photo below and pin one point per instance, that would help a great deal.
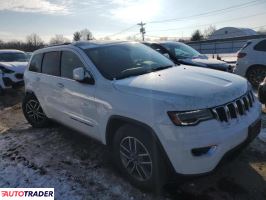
(1, 91)
(33, 112)
(138, 156)
(256, 75)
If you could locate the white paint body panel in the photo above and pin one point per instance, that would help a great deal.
(252, 58)
(17, 67)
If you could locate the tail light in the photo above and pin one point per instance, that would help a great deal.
(241, 55)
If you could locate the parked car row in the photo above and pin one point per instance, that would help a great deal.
(162, 108)
(158, 118)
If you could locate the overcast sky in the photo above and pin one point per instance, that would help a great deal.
(19, 18)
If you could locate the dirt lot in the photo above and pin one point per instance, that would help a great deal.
(80, 168)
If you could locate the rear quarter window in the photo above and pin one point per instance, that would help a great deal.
(51, 63)
(36, 63)
(261, 46)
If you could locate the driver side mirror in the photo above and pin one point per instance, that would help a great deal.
(166, 55)
(81, 75)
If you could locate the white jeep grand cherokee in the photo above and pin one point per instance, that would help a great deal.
(156, 117)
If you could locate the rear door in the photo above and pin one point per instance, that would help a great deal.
(49, 90)
(77, 98)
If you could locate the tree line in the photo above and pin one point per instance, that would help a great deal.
(34, 41)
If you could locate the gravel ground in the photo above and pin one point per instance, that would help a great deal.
(80, 168)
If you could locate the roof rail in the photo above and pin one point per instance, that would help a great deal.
(53, 45)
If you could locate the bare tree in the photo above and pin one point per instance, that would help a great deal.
(76, 36)
(59, 39)
(209, 31)
(34, 40)
(86, 34)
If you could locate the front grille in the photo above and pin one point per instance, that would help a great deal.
(235, 108)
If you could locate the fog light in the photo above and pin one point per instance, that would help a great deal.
(203, 150)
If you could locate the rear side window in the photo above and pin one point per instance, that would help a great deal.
(36, 62)
(261, 46)
(246, 45)
(51, 63)
(69, 62)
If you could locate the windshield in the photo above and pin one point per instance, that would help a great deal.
(13, 57)
(127, 59)
(181, 51)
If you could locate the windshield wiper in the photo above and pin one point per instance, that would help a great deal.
(132, 72)
(139, 71)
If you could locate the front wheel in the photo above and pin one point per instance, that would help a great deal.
(256, 75)
(33, 112)
(138, 156)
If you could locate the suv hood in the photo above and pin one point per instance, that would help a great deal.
(210, 63)
(18, 67)
(186, 87)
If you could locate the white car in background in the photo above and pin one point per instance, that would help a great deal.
(251, 61)
(12, 66)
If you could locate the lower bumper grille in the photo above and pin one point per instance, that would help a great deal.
(19, 76)
(235, 108)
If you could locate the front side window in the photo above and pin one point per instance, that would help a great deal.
(36, 62)
(69, 62)
(261, 46)
(126, 59)
(13, 57)
(181, 51)
(51, 63)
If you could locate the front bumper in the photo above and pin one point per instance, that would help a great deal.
(12, 80)
(222, 137)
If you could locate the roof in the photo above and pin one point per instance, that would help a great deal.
(10, 51)
(95, 43)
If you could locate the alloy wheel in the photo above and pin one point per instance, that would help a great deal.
(136, 158)
(34, 111)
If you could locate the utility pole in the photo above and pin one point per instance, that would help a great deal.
(142, 29)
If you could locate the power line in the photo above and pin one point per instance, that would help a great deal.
(122, 31)
(250, 3)
(257, 27)
(205, 13)
(193, 26)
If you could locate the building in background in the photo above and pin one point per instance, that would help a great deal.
(227, 40)
(231, 32)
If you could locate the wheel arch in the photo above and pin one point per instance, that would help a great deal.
(252, 66)
(116, 121)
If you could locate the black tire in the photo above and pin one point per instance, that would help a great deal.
(256, 75)
(1, 91)
(149, 177)
(33, 112)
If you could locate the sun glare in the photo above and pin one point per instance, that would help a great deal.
(137, 11)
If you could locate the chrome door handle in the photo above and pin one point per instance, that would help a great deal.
(60, 85)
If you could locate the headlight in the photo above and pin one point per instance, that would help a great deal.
(5, 70)
(190, 117)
